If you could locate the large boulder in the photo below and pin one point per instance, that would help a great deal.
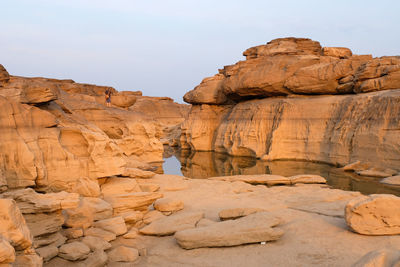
(254, 228)
(377, 214)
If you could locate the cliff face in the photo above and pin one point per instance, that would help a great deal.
(55, 133)
(318, 104)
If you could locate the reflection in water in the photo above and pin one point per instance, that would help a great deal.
(210, 164)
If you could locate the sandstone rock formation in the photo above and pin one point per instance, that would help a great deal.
(62, 137)
(61, 152)
(374, 215)
(258, 107)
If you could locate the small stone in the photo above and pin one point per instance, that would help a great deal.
(168, 204)
(73, 233)
(171, 224)
(132, 233)
(115, 225)
(132, 216)
(47, 253)
(123, 254)
(74, 251)
(96, 243)
(97, 232)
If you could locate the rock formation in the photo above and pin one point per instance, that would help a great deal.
(293, 99)
(61, 152)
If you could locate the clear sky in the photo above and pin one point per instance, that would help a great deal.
(166, 47)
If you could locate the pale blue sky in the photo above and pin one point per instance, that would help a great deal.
(165, 48)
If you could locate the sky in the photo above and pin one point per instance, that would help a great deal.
(166, 47)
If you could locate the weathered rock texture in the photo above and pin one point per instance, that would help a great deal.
(58, 134)
(374, 215)
(318, 104)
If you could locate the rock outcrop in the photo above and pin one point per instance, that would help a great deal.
(293, 99)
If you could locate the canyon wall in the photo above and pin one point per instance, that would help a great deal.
(293, 99)
(56, 133)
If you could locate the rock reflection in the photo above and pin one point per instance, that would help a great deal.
(210, 164)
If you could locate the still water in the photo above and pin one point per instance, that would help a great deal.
(210, 164)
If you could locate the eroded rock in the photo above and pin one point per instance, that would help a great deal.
(258, 227)
(13, 227)
(168, 204)
(171, 224)
(376, 214)
(74, 251)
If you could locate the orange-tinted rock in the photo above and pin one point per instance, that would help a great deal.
(339, 52)
(285, 46)
(4, 76)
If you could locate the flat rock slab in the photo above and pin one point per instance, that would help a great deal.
(377, 173)
(266, 179)
(114, 225)
(230, 214)
(97, 232)
(123, 254)
(168, 204)
(74, 251)
(137, 173)
(377, 214)
(132, 201)
(393, 180)
(254, 228)
(307, 179)
(47, 253)
(171, 224)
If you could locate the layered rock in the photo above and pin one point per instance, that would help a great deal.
(59, 135)
(342, 126)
